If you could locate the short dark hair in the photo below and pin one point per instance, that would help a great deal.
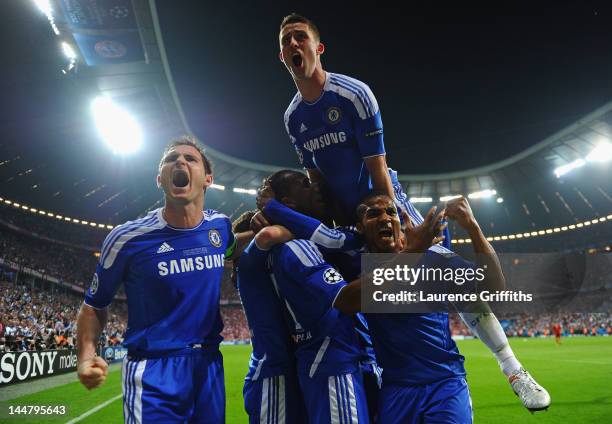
(294, 18)
(187, 140)
(243, 222)
(279, 182)
(367, 199)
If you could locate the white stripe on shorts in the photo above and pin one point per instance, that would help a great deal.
(131, 385)
(354, 418)
(263, 411)
(333, 400)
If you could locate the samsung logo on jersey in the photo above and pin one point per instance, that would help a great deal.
(325, 140)
(190, 264)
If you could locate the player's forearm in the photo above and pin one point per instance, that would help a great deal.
(379, 173)
(348, 300)
(270, 236)
(90, 324)
(487, 258)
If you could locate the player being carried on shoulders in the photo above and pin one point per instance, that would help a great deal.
(335, 126)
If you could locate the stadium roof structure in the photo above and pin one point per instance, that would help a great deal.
(67, 171)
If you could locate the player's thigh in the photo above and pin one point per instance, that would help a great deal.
(334, 399)
(274, 400)
(400, 404)
(157, 390)
(449, 401)
(210, 388)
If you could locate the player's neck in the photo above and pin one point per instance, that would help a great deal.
(183, 216)
(311, 88)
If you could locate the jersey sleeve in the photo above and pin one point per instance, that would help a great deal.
(109, 274)
(308, 228)
(301, 261)
(368, 126)
(466, 273)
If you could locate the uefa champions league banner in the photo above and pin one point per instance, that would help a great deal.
(113, 353)
(16, 367)
(106, 31)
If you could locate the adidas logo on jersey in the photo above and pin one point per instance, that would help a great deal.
(165, 247)
(303, 128)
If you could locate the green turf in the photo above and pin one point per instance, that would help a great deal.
(577, 374)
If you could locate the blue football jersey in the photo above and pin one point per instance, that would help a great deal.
(272, 354)
(336, 244)
(335, 133)
(326, 340)
(418, 348)
(172, 280)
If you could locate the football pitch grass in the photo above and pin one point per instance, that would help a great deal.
(578, 375)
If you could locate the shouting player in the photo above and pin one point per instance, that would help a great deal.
(170, 264)
(335, 125)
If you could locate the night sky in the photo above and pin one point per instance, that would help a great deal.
(456, 90)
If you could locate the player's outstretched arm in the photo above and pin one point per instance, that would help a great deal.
(460, 211)
(272, 235)
(91, 369)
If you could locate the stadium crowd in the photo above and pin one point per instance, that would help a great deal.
(67, 264)
(35, 319)
(525, 325)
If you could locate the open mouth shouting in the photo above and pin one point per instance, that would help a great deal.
(180, 178)
(297, 60)
(385, 232)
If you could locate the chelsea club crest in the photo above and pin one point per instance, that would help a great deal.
(215, 238)
(333, 115)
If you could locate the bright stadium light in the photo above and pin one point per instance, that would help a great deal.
(217, 186)
(245, 191)
(118, 129)
(420, 199)
(500, 200)
(483, 194)
(68, 51)
(601, 153)
(45, 7)
(450, 197)
(564, 169)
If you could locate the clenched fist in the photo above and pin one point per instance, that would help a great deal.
(92, 372)
(459, 210)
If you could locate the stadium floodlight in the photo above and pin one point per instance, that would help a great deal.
(483, 194)
(564, 169)
(449, 197)
(45, 7)
(17, 205)
(420, 199)
(245, 191)
(601, 153)
(217, 186)
(68, 51)
(500, 200)
(24, 207)
(118, 128)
